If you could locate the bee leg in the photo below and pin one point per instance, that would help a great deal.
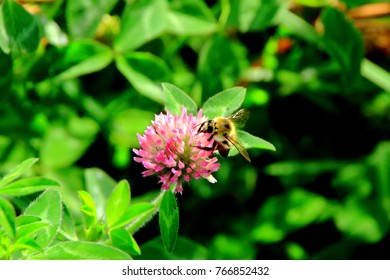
(212, 148)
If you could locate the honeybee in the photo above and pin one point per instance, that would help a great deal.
(223, 130)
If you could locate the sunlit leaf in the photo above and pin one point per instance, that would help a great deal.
(142, 21)
(68, 229)
(99, 185)
(88, 209)
(224, 103)
(145, 72)
(29, 229)
(118, 202)
(190, 17)
(26, 243)
(7, 218)
(27, 186)
(133, 213)
(48, 207)
(80, 250)
(18, 171)
(176, 98)
(121, 239)
(250, 141)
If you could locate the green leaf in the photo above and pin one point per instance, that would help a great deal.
(125, 126)
(344, 43)
(286, 213)
(100, 186)
(26, 243)
(133, 213)
(189, 18)
(294, 251)
(27, 225)
(68, 229)
(83, 17)
(80, 250)
(123, 240)
(22, 28)
(18, 171)
(250, 141)
(118, 202)
(88, 209)
(27, 186)
(225, 103)
(7, 218)
(29, 229)
(169, 220)
(142, 21)
(176, 98)
(83, 57)
(26, 219)
(145, 72)
(225, 247)
(185, 249)
(363, 220)
(48, 207)
(64, 144)
(219, 64)
(250, 15)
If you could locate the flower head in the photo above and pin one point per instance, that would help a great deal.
(170, 149)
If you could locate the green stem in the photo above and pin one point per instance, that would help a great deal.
(142, 220)
(225, 12)
(376, 74)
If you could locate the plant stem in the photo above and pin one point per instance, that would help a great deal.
(142, 220)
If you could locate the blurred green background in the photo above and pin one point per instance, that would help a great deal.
(79, 79)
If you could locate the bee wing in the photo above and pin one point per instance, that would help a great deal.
(239, 148)
(240, 117)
